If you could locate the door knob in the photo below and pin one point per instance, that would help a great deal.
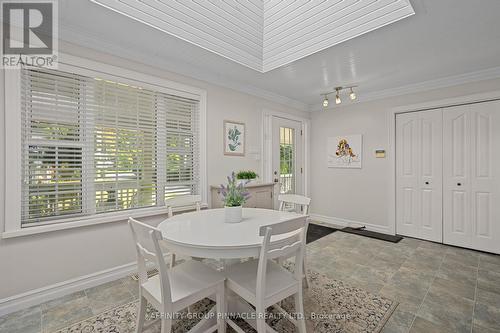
(459, 184)
(426, 183)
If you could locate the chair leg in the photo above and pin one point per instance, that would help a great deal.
(141, 315)
(306, 277)
(172, 260)
(166, 325)
(261, 319)
(220, 298)
(299, 309)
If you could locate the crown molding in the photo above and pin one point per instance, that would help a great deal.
(78, 37)
(449, 81)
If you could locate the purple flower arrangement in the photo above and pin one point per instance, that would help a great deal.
(234, 194)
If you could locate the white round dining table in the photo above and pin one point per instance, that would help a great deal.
(205, 234)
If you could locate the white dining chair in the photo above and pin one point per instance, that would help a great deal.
(172, 289)
(182, 201)
(263, 282)
(296, 201)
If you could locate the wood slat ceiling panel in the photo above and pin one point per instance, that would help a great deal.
(264, 35)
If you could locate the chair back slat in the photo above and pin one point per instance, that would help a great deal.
(295, 200)
(284, 251)
(147, 243)
(284, 227)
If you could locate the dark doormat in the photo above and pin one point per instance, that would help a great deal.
(372, 234)
(316, 231)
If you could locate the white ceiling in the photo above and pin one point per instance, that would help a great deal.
(446, 42)
(263, 35)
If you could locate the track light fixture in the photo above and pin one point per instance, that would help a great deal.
(337, 91)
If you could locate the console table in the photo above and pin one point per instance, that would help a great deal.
(261, 196)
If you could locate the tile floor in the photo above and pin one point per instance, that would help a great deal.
(439, 288)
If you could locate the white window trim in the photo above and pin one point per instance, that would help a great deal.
(13, 149)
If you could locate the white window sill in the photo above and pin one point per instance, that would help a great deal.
(95, 220)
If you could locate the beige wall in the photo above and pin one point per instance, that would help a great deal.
(36, 261)
(362, 195)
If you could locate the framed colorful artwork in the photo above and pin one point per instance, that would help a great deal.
(234, 138)
(345, 151)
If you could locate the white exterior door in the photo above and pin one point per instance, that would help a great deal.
(287, 156)
(471, 176)
(419, 175)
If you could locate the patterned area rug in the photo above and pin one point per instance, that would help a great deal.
(330, 306)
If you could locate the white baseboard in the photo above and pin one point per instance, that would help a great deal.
(41, 295)
(340, 222)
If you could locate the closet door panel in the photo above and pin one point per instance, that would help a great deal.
(419, 175)
(431, 175)
(471, 176)
(407, 199)
(485, 173)
(456, 155)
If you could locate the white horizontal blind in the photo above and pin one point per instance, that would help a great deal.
(182, 145)
(92, 146)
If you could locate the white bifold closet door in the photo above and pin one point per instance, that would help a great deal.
(419, 175)
(471, 198)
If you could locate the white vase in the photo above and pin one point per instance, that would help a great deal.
(245, 181)
(233, 214)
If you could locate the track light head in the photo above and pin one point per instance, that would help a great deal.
(337, 96)
(352, 95)
(325, 101)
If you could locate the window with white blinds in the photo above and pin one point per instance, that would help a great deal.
(92, 146)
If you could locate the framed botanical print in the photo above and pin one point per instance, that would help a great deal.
(234, 138)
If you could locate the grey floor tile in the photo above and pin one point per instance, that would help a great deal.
(461, 259)
(359, 258)
(24, 321)
(372, 273)
(478, 329)
(488, 297)
(380, 263)
(487, 316)
(458, 273)
(489, 266)
(488, 280)
(429, 266)
(65, 313)
(421, 325)
(411, 283)
(454, 288)
(62, 300)
(447, 310)
(490, 258)
(108, 295)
